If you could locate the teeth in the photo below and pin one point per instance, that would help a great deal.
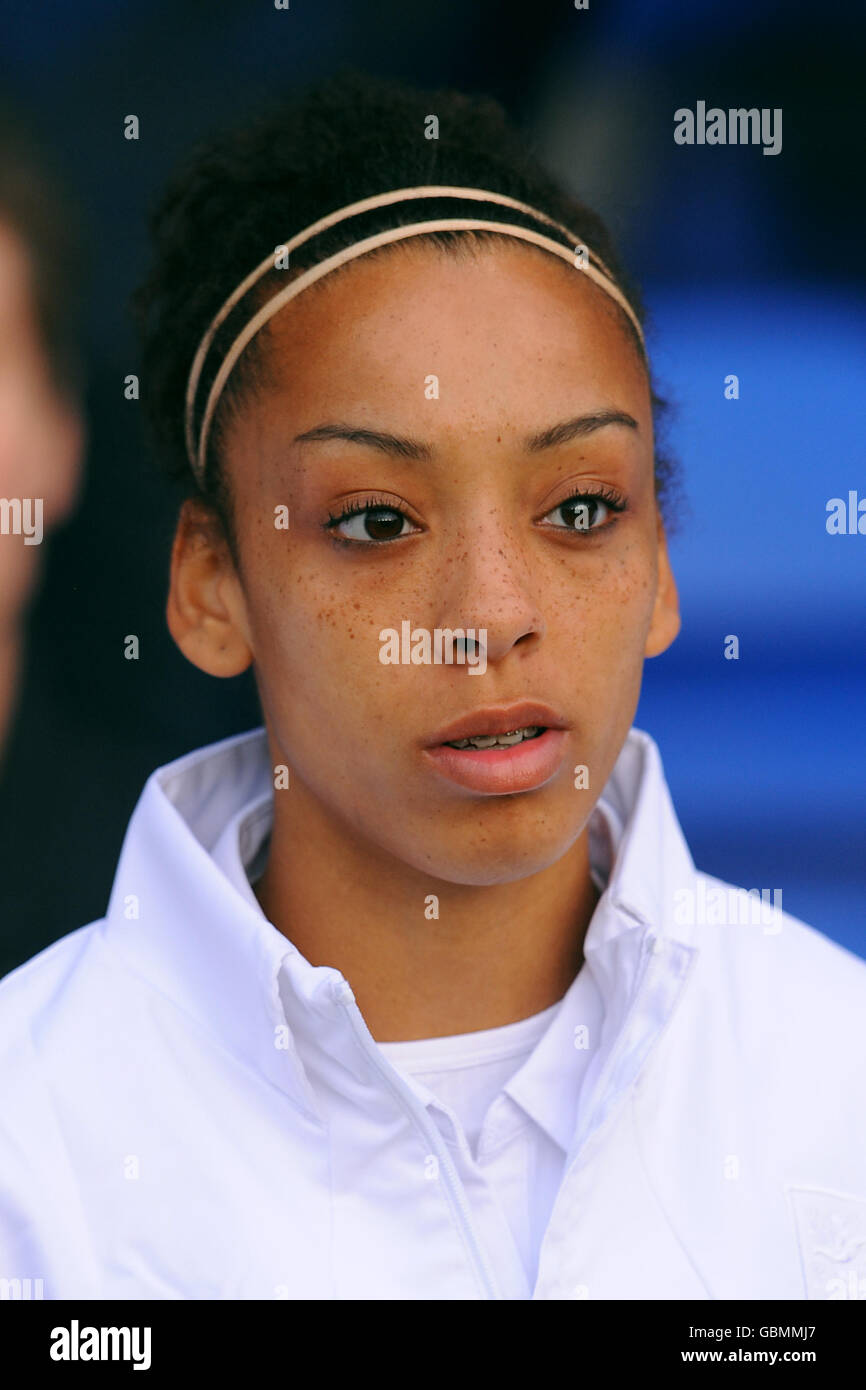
(497, 740)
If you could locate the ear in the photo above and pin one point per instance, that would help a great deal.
(665, 623)
(206, 612)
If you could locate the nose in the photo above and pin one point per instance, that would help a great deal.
(488, 584)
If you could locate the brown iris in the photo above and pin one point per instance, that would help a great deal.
(382, 523)
(579, 512)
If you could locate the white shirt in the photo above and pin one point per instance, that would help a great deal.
(504, 1099)
(190, 1109)
(508, 1100)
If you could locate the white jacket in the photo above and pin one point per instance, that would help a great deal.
(157, 1141)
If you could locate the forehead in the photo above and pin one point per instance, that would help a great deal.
(496, 323)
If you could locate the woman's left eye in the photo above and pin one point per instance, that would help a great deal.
(370, 524)
(584, 512)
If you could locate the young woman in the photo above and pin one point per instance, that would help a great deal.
(415, 992)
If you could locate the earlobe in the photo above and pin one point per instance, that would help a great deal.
(205, 607)
(666, 621)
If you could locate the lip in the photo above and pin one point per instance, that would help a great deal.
(498, 719)
(501, 771)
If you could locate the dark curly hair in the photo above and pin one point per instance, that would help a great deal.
(242, 192)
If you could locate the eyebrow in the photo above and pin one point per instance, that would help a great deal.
(399, 446)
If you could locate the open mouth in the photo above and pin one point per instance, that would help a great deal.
(500, 750)
(508, 740)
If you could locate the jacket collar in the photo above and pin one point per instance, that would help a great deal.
(177, 920)
(637, 953)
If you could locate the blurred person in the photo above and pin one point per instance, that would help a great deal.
(41, 379)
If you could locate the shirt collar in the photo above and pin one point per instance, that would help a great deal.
(547, 1086)
(183, 914)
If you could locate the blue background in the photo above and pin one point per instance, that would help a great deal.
(766, 755)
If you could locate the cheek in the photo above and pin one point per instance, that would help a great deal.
(328, 701)
(604, 602)
(633, 580)
(316, 646)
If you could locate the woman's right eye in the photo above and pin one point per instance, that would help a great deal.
(370, 525)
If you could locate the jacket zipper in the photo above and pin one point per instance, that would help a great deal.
(434, 1138)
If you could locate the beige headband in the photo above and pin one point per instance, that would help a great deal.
(588, 262)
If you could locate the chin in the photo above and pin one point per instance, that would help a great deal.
(484, 864)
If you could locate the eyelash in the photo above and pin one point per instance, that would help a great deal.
(357, 509)
(607, 495)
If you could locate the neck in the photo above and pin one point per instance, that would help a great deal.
(493, 955)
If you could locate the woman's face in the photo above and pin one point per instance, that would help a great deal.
(469, 362)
